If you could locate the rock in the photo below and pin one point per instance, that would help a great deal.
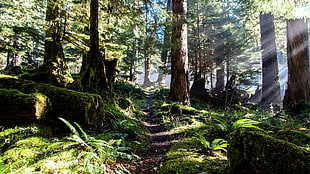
(255, 152)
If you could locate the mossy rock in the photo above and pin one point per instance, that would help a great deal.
(15, 105)
(258, 153)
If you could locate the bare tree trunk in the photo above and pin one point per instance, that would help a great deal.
(298, 64)
(179, 87)
(270, 86)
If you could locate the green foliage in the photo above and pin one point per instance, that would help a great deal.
(126, 89)
(216, 145)
(94, 152)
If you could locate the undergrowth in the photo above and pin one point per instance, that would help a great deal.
(207, 134)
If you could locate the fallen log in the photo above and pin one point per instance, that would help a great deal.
(15, 105)
(81, 107)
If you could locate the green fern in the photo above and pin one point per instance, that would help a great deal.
(216, 145)
(94, 152)
(245, 123)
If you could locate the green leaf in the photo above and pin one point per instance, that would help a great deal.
(70, 126)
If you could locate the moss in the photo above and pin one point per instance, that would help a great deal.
(256, 152)
(184, 157)
(11, 135)
(62, 162)
(17, 105)
(27, 149)
(297, 137)
(84, 108)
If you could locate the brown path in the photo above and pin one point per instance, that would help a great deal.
(160, 142)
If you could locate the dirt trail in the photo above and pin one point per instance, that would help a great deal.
(152, 158)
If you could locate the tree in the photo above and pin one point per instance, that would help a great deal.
(179, 87)
(94, 77)
(21, 36)
(270, 85)
(298, 86)
(57, 72)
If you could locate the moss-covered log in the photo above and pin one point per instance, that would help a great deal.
(258, 153)
(84, 108)
(15, 105)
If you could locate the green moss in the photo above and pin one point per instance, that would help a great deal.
(24, 152)
(62, 162)
(17, 104)
(256, 152)
(184, 157)
(11, 135)
(297, 137)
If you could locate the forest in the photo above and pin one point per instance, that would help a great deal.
(155, 86)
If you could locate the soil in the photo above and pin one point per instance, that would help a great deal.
(152, 158)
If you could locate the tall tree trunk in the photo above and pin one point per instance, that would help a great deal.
(12, 55)
(54, 58)
(179, 87)
(147, 69)
(93, 78)
(220, 76)
(164, 54)
(298, 64)
(270, 87)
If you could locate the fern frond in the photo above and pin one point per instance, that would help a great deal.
(246, 123)
(70, 126)
(82, 131)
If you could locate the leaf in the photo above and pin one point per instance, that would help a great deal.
(82, 131)
(246, 123)
(219, 144)
(70, 126)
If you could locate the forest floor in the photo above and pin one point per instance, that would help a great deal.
(152, 158)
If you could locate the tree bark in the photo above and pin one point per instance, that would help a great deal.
(54, 58)
(94, 78)
(298, 64)
(270, 86)
(179, 87)
(220, 76)
(147, 69)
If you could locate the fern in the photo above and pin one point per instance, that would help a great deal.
(216, 145)
(94, 152)
(219, 145)
(245, 123)
(70, 126)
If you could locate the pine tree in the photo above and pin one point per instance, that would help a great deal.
(270, 84)
(179, 87)
(298, 86)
